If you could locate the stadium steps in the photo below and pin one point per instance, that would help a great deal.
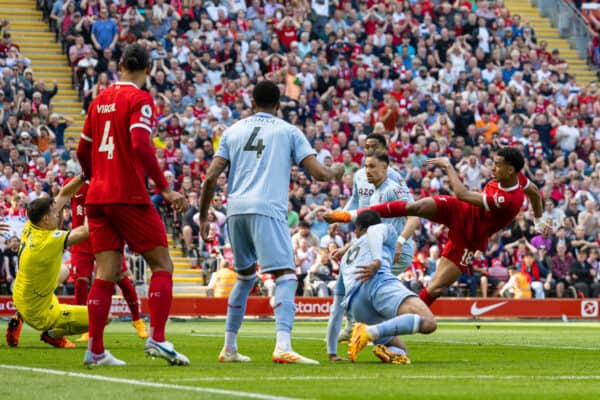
(545, 31)
(187, 281)
(47, 61)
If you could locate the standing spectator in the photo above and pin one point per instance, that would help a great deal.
(561, 264)
(104, 31)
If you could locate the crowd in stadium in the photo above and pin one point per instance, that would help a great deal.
(436, 78)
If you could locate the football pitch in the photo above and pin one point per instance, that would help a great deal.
(462, 360)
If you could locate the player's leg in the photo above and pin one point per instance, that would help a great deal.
(424, 208)
(107, 244)
(144, 232)
(238, 228)
(131, 297)
(13, 330)
(400, 310)
(393, 351)
(72, 320)
(271, 239)
(52, 324)
(447, 272)
(81, 270)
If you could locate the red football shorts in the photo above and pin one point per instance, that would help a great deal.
(462, 220)
(113, 225)
(82, 265)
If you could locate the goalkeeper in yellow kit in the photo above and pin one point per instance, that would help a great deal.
(40, 258)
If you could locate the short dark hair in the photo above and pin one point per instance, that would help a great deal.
(367, 218)
(303, 224)
(381, 156)
(379, 138)
(512, 157)
(135, 58)
(38, 208)
(266, 94)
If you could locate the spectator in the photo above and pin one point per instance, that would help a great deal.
(104, 31)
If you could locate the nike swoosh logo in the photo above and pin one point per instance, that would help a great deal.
(475, 311)
(78, 196)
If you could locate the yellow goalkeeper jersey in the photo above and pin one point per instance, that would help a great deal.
(40, 258)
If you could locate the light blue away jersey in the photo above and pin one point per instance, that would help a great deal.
(379, 243)
(391, 191)
(362, 189)
(261, 150)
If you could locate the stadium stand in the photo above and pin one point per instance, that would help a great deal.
(459, 79)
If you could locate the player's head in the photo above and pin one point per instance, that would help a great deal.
(265, 96)
(375, 142)
(365, 219)
(135, 59)
(376, 166)
(41, 213)
(507, 163)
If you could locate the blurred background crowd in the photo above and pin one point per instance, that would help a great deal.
(437, 78)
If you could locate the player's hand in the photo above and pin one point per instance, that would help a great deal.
(366, 272)
(338, 171)
(205, 230)
(4, 227)
(337, 254)
(177, 200)
(439, 162)
(336, 358)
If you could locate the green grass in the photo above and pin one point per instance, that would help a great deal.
(459, 361)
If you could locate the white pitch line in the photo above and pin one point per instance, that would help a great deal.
(256, 336)
(379, 376)
(416, 340)
(143, 383)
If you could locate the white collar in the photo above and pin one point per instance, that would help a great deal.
(510, 189)
(127, 83)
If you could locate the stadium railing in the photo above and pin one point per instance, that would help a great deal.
(570, 23)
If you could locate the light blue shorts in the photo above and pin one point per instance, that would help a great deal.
(378, 300)
(258, 238)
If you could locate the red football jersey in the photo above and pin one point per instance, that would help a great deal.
(78, 218)
(501, 205)
(118, 176)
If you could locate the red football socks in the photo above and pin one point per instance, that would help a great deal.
(81, 292)
(389, 210)
(160, 295)
(427, 299)
(99, 301)
(130, 297)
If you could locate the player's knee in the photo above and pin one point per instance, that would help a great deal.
(435, 291)
(428, 325)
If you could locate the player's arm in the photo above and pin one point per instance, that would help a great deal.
(375, 236)
(84, 149)
(353, 201)
(143, 148)
(321, 172)
(217, 166)
(77, 235)
(460, 190)
(535, 199)
(67, 192)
